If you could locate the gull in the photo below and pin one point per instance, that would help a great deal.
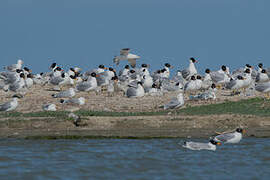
(65, 94)
(124, 72)
(191, 70)
(29, 81)
(198, 82)
(211, 145)
(233, 137)
(126, 55)
(104, 77)
(175, 102)
(79, 101)
(235, 84)
(49, 107)
(18, 85)
(144, 70)
(221, 76)
(171, 86)
(263, 88)
(167, 67)
(147, 81)
(262, 76)
(11, 77)
(9, 106)
(207, 81)
(14, 67)
(154, 91)
(135, 91)
(89, 84)
(76, 119)
(191, 86)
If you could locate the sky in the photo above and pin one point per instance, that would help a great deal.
(87, 33)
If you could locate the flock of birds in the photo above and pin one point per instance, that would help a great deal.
(133, 82)
(227, 137)
(138, 82)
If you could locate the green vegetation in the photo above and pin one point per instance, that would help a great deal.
(254, 106)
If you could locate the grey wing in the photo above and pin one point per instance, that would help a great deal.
(56, 80)
(198, 146)
(262, 86)
(83, 86)
(5, 106)
(14, 87)
(132, 62)
(172, 104)
(231, 84)
(225, 137)
(268, 71)
(11, 67)
(217, 77)
(185, 73)
(133, 84)
(131, 92)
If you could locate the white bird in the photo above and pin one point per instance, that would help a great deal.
(14, 67)
(9, 106)
(221, 76)
(49, 107)
(18, 85)
(79, 101)
(90, 84)
(175, 102)
(263, 88)
(191, 86)
(262, 76)
(135, 91)
(234, 137)
(126, 55)
(191, 70)
(124, 72)
(167, 67)
(207, 81)
(65, 94)
(144, 70)
(235, 84)
(211, 145)
(29, 81)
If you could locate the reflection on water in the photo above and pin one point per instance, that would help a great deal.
(131, 159)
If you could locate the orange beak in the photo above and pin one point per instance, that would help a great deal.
(106, 68)
(244, 131)
(97, 75)
(218, 143)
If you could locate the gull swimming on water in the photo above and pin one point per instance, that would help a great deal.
(234, 137)
(9, 106)
(126, 55)
(211, 145)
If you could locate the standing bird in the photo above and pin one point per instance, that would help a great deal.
(211, 145)
(233, 137)
(191, 70)
(264, 88)
(221, 76)
(9, 106)
(135, 91)
(65, 94)
(126, 55)
(175, 102)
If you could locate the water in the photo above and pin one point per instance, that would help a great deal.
(131, 159)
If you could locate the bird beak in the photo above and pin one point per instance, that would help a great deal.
(106, 68)
(219, 144)
(97, 75)
(244, 131)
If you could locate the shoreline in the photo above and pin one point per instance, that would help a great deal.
(134, 127)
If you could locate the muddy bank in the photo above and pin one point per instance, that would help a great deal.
(168, 126)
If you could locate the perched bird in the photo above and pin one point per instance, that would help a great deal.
(135, 91)
(175, 102)
(79, 101)
(191, 86)
(211, 145)
(262, 76)
(126, 55)
(221, 76)
(234, 137)
(235, 84)
(49, 107)
(65, 94)
(9, 106)
(263, 88)
(89, 84)
(191, 70)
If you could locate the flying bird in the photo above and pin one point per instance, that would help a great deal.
(126, 55)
